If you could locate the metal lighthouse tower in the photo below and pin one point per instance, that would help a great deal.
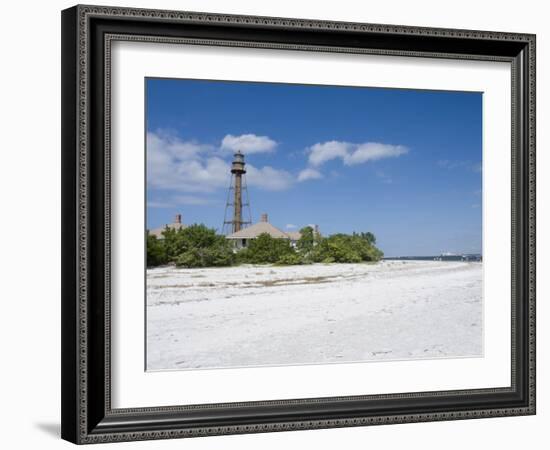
(237, 197)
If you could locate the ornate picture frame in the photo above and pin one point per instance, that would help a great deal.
(88, 33)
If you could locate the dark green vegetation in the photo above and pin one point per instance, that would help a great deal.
(344, 248)
(266, 250)
(194, 246)
(199, 246)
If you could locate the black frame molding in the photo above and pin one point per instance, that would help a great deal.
(87, 33)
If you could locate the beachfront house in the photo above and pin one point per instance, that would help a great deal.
(242, 238)
(176, 225)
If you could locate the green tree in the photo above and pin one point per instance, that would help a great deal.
(307, 240)
(199, 235)
(156, 254)
(265, 250)
(369, 237)
(197, 246)
(339, 247)
(178, 241)
(218, 255)
(345, 248)
(290, 259)
(172, 240)
(365, 242)
(200, 246)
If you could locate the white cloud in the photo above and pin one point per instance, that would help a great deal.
(161, 204)
(290, 226)
(174, 146)
(268, 178)
(323, 152)
(372, 151)
(210, 174)
(190, 200)
(351, 153)
(173, 163)
(248, 143)
(177, 200)
(309, 174)
(192, 167)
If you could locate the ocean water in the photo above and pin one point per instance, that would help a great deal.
(466, 257)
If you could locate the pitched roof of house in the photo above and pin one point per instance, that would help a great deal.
(158, 231)
(294, 235)
(255, 230)
(176, 225)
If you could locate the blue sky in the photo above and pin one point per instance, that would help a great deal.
(403, 164)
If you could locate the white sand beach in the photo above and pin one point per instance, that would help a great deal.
(322, 313)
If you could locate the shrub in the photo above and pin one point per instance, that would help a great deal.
(265, 250)
(180, 241)
(156, 253)
(364, 243)
(341, 249)
(289, 259)
(191, 258)
(215, 256)
(200, 246)
(220, 254)
(345, 248)
(196, 246)
(307, 240)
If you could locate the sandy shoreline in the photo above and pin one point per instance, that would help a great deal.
(323, 313)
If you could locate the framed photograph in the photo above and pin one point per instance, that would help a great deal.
(278, 224)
